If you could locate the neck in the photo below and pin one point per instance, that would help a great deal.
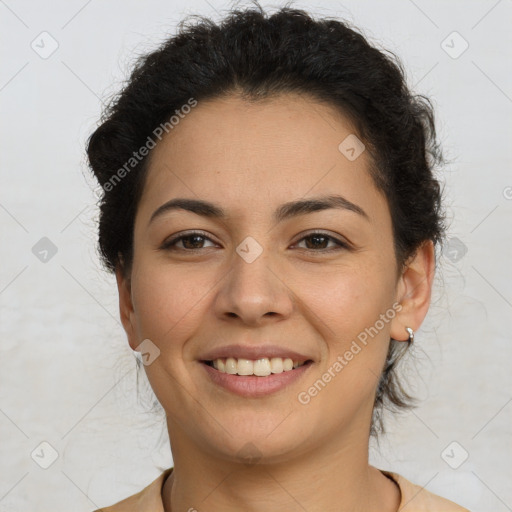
(333, 477)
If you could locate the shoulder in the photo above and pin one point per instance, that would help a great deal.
(147, 500)
(418, 499)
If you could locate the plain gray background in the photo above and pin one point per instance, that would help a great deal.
(68, 377)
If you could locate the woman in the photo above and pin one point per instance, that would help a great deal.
(271, 214)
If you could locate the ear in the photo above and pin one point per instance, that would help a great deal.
(414, 290)
(126, 311)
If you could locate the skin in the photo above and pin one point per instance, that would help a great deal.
(250, 158)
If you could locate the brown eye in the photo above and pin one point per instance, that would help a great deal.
(189, 242)
(318, 241)
(315, 242)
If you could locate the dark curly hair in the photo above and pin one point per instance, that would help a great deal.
(257, 56)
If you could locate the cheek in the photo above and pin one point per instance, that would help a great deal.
(349, 304)
(166, 301)
(348, 300)
(355, 346)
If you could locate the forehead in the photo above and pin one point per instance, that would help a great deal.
(252, 154)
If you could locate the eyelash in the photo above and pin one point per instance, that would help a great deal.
(170, 244)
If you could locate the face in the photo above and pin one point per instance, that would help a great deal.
(264, 280)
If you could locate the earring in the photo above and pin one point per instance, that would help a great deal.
(411, 335)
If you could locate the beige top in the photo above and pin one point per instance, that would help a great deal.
(414, 498)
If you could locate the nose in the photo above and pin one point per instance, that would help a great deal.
(254, 292)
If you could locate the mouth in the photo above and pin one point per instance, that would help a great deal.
(261, 367)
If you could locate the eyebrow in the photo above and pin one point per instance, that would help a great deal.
(283, 212)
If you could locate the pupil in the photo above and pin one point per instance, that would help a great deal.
(192, 237)
(316, 237)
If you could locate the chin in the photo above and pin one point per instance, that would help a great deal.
(258, 443)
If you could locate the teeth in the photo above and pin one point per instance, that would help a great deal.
(231, 365)
(245, 367)
(260, 367)
(276, 364)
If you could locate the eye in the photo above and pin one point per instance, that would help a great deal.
(318, 240)
(189, 242)
(315, 242)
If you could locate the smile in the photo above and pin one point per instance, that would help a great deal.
(255, 378)
(262, 367)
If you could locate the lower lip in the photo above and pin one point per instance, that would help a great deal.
(252, 386)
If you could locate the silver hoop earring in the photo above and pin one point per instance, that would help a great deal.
(411, 335)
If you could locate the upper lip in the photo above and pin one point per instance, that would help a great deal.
(253, 352)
